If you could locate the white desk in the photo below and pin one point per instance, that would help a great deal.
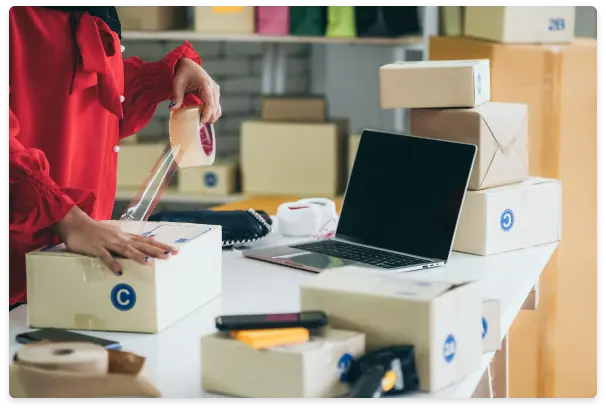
(173, 356)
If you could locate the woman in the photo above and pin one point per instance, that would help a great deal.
(71, 99)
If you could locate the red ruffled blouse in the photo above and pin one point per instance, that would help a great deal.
(71, 99)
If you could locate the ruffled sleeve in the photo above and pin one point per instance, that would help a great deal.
(148, 84)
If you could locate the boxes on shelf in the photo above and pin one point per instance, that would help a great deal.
(354, 142)
(152, 18)
(130, 140)
(135, 161)
(217, 179)
(224, 19)
(313, 369)
(538, 76)
(510, 217)
(442, 320)
(306, 159)
(521, 24)
(71, 291)
(491, 325)
(435, 84)
(296, 108)
(499, 130)
(452, 20)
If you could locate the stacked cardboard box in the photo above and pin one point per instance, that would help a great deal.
(293, 149)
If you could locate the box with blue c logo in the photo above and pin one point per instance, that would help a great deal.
(70, 291)
(217, 179)
(441, 319)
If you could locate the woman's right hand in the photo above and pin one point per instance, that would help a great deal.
(84, 235)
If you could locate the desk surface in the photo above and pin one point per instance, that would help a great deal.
(174, 357)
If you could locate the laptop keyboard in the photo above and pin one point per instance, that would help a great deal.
(362, 254)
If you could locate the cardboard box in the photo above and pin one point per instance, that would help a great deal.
(152, 18)
(441, 320)
(499, 130)
(452, 20)
(300, 159)
(521, 24)
(129, 140)
(510, 217)
(543, 77)
(135, 162)
(354, 142)
(435, 84)
(224, 19)
(72, 291)
(217, 179)
(491, 325)
(294, 108)
(313, 369)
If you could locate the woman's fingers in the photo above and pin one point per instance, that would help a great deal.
(151, 241)
(127, 250)
(110, 262)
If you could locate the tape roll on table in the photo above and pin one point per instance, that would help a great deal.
(306, 217)
(193, 142)
(76, 357)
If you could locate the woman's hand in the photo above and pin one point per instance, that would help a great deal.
(82, 234)
(192, 78)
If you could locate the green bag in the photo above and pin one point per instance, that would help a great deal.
(341, 21)
(307, 21)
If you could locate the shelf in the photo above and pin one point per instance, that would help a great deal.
(407, 41)
(171, 195)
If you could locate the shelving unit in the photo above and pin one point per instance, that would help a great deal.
(172, 195)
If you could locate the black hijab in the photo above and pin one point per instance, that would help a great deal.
(108, 14)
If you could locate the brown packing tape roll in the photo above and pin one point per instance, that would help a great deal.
(76, 357)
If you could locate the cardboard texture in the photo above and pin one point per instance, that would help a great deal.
(521, 24)
(299, 159)
(435, 84)
(152, 18)
(304, 370)
(354, 142)
(440, 319)
(499, 130)
(510, 217)
(224, 20)
(217, 179)
(71, 291)
(135, 162)
(294, 108)
(452, 20)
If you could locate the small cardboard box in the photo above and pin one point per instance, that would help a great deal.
(217, 179)
(440, 319)
(294, 108)
(152, 18)
(71, 291)
(521, 24)
(135, 162)
(293, 158)
(499, 130)
(510, 217)
(354, 142)
(435, 84)
(451, 20)
(129, 140)
(224, 19)
(491, 325)
(304, 370)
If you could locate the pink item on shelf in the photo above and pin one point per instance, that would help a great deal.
(273, 20)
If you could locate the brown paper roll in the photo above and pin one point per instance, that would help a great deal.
(75, 357)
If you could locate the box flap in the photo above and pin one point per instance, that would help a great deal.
(529, 182)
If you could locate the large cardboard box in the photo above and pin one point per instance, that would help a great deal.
(441, 320)
(224, 20)
(435, 84)
(294, 108)
(452, 20)
(152, 18)
(135, 162)
(301, 159)
(217, 179)
(510, 217)
(312, 369)
(499, 130)
(71, 291)
(521, 24)
(354, 142)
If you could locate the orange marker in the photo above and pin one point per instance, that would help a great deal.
(266, 338)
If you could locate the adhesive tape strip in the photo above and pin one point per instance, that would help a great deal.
(305, 217)
(193, 143)
(76, 357)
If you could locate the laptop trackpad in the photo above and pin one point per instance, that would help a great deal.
(316, 260)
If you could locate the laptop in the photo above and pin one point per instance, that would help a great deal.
(400, 211)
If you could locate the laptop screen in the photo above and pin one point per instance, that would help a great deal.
(405, 193)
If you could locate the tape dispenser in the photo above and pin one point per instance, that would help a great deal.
(308, 217)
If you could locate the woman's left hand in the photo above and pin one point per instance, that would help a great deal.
(192, 78)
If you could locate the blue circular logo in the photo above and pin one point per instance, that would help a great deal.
(343, 366)
(123, 297)
(479, 83)
(484, 327)
(507, 220)
(450, 348)
(210, 179)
